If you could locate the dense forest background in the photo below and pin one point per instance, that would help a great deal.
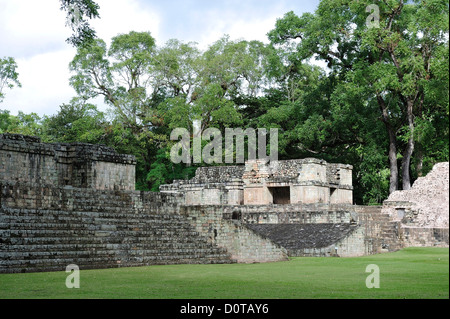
(380, 102)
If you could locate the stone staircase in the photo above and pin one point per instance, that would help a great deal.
(382, 233)
(95, 231)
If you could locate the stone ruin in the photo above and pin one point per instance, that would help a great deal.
(75, 203)
(423, 208)
(307, 181)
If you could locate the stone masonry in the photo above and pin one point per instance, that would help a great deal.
(64, 204)
(45, 229)
(26, 159)
(423, 211)
(257, 182)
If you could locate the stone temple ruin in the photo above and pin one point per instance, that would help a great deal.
(63, 204)
(307, 181)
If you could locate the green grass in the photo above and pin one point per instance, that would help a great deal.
(413, 273)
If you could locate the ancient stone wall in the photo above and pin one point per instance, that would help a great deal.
(27, 159)
(320, 230)
(258, 182)
(381, 234)
(44, 228)
(315, 240)
(243, 244)
(422, 212)
(290, 214)
(426, 204)
(215, 174)
(64, 204)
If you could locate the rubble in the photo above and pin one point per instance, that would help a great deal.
(428, 199)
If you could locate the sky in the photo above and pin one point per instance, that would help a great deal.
(34, 33)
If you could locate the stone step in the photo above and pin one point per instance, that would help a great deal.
(9, 215)
(101, 234)
(34, 266)
(149, 247)
(43, 255)
(100, 231)
(28, 227)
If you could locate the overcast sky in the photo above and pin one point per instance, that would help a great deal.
(33, 33)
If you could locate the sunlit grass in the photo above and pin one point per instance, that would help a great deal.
(419, 273)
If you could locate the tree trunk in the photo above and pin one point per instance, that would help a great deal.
(393, 166)
(406, 161)
(393, 182)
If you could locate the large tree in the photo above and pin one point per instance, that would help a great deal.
(395, 61)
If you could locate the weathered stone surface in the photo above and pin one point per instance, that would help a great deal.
(257, 182)
(426, 204)
(295, 237)
(244, 245)
(64, 204)
(422, 212)
(46, 229)
(27, 159)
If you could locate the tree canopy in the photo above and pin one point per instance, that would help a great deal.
(378, 99)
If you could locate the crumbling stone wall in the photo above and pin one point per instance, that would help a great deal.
(244, 245)
(64, 204)
(27, 159)
(45, 228)
(319, 230)
(75, 203)
(423, 211)
(258, 182)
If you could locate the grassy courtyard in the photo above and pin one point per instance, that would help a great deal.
(419, 273)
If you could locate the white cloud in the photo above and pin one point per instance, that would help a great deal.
(29, 27)
(45, 83)
(123, 16)
(34, 33)
(213, 24)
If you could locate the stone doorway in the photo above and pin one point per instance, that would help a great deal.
(281, 195)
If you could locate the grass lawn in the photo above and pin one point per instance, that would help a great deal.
(413, 273)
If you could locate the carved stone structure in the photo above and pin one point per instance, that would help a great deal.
(305, 181)
(423, 211)
(26, 159)
(64, 204)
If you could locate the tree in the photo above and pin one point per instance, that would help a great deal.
(26, 124)
(76, 122)
(392, 62)
(8, 75)
(78, 13)
(121, 74)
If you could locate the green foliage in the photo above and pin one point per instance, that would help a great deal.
(390, 70)
(163, 171)
(78, 14)
(8, 75)
(26, 124)
(75, 122)
(381, 87)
